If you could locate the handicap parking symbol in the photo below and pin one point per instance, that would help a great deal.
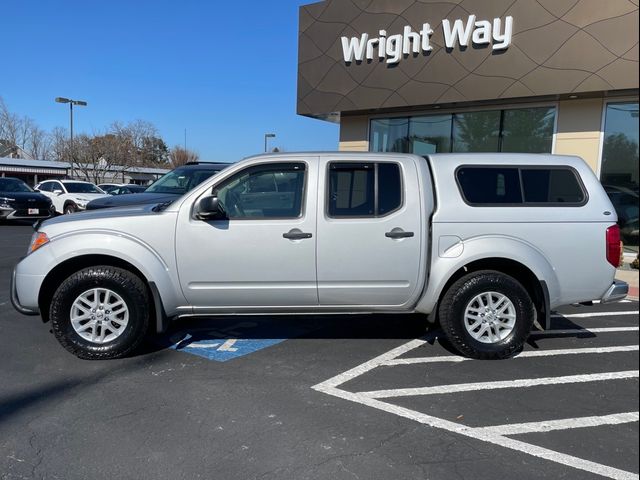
(227, 343)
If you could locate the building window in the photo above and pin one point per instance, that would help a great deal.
(525, 130)
(430, 134)
(619, 171)
(528, 130)
(390, 135)
(364, 189)
(476, 131)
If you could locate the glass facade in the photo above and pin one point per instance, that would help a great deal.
(619, 170)
(528, 130)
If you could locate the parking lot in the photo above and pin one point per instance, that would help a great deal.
(335, 397)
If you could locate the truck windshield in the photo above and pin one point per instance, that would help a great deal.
(180, 180)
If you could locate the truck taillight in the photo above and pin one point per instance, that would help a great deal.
(613, 245)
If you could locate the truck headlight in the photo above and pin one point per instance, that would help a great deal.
(38, 239)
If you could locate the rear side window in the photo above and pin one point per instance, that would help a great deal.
(481, 186)
(366, 189)
(558, 185)
(525, 186)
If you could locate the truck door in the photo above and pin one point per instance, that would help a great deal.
(370, 238)
(263, 254)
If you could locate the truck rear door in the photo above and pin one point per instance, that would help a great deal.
(370, 235)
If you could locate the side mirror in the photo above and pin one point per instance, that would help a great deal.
(57, 191)
(209, 208)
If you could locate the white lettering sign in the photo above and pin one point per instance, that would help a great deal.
(458, 33)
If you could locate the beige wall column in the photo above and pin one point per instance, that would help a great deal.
(578, 132)
(353, 134)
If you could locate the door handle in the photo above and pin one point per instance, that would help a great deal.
(296, 234)
(398, 233)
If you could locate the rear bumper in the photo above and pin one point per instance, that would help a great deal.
(617, 291)
(15, 301)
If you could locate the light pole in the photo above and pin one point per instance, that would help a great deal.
(266, 136)
(71, 103)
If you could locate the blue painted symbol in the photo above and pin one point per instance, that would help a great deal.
(226, 343)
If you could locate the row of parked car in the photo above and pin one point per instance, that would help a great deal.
(18, 201)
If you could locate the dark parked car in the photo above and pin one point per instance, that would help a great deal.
(166, 189)
(18, 201)
(625, 201)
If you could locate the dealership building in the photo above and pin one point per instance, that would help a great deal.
(539, 76)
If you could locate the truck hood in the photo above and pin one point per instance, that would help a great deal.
(98, 218)
(131, 199)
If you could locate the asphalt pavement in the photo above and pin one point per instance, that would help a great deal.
(334, 397)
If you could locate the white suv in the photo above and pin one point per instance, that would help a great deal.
(69, 196)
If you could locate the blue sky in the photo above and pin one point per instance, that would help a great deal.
(225, 71)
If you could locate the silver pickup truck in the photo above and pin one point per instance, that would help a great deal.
(484, 244)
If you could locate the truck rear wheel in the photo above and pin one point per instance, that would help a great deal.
(487, 315)
(100, 312)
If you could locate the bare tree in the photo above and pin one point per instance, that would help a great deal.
(22, 134)
(59, 144)
(179, 156)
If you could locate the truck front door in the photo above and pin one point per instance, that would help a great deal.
(263, 254)
(370, 238)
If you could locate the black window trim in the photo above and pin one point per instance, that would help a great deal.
(524, 203)
(303, 203)
(375, 189)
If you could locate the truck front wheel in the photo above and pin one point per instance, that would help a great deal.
(100, 312)
(487, 315)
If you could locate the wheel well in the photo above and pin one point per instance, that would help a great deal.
(61, 272)
(514, 269)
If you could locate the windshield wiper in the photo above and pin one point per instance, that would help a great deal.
(161, 206)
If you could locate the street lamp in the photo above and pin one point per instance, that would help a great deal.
(266, 136)
(71, 103)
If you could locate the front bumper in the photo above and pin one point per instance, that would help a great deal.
(617, 291)
(11, 214)
(15, 301)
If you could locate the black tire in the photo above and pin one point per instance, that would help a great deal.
(127, 285)
(459, 295)
(70, 208)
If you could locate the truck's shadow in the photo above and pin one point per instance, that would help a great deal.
(186, 332)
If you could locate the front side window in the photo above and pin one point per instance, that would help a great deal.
(365, 189)
(46, 187)
(272, 190)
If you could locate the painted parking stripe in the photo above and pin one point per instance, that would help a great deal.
(595, 314)
(521, 383)
(564, 424)
(566, 331)
(330, 385)
(527, 354)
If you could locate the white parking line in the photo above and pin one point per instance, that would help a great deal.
(595, 314)
(527, 354)
(521, 383)
(564, 424)
(566, 331)
(496, 435)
